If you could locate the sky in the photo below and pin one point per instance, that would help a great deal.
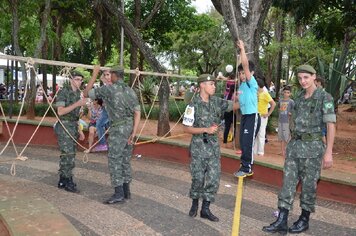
(202, 5)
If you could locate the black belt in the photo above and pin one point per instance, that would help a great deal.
(307, 136)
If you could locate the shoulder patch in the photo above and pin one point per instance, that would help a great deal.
(329, 105)
(189, 110)
(188, 118)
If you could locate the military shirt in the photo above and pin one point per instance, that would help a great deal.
(66, 97)
(120, 101)
(310, 114)
(204, 114)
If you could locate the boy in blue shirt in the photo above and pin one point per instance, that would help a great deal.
(250, 120)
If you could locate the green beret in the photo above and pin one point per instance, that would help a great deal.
(118, 69)
(306, 69)
(205, 77)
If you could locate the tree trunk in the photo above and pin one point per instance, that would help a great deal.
(57, 22)
(135, 38)
(245, 25)
(31, 95)
(133, 47)
(280, 28)
(102, 33)
(141, 25)
(44, 71)
(15, 36)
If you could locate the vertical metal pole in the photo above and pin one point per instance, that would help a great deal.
(122, 38)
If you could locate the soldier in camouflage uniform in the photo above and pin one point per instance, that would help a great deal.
(202, 118)
(124, 115)
(306, 152)
(68, 104)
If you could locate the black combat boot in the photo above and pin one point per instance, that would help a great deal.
(302, 224)
(118, 196)
(205, 212)
(62, 182)
(71, 186)
(194, 209)
(127, 193)
(280, 225)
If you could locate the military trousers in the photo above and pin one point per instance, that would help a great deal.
(67, 146)
(302, 164)
(119, 155)
(205, 169)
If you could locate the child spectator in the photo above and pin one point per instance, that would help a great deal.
(102, 122)
(229, 117)
(264, 99)
(95, 113)
(285, 107)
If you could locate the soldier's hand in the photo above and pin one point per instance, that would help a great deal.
(212, 129)
(327, 161)
(131, 139)
(83, 102)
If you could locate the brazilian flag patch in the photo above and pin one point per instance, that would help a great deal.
(329, 105)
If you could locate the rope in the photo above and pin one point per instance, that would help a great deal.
(235, 113)
(147, 116)
(28, 66)
(156, 139)
(39, 124)
(8, 130)
(91, 67)
(234, 21)
(65, 73)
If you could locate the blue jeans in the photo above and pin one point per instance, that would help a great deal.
(101, 124)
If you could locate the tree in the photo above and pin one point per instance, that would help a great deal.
(334, 23)
(141, 20)
(245, 22)
(206, 48)
(136, 39)
(15, 45)
(44, 15)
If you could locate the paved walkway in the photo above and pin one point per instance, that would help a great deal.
(160, 201)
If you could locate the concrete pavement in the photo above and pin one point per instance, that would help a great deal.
(160, 201)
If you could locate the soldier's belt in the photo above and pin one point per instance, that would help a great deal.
(307, 136)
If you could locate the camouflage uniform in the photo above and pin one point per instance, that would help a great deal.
(305, 150)
(66, 97)
(204, 148)
(121, 103)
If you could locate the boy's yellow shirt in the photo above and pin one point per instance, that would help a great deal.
(263, 100)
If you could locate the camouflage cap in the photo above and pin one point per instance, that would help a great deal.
(118, 69)
(305, 69)
(205, 77)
